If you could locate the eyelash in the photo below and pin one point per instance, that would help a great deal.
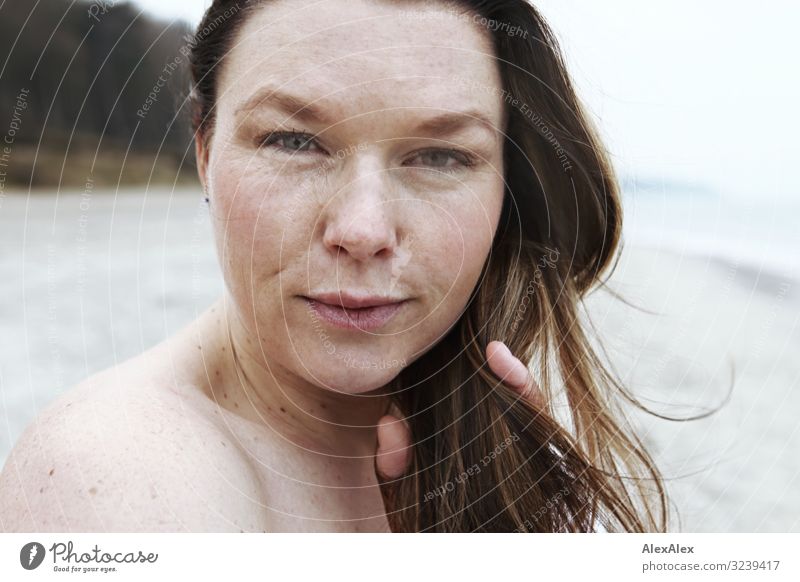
(464, 159)
(277, 135)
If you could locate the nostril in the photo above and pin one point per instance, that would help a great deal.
(362, 239)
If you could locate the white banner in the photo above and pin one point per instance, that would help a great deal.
(389, 557)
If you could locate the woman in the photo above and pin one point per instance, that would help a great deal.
(399, 190)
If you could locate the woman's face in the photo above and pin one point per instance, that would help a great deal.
(347, 157)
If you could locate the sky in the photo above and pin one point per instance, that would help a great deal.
(704, 94)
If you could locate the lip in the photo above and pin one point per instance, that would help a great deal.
(351, 312)
(353, 301)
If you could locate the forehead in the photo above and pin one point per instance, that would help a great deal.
(358, 54)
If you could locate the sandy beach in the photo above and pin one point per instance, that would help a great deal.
(92, 278)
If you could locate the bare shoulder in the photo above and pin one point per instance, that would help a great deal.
(118, 453)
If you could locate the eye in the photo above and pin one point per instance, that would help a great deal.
(441, 159)
(289, 141)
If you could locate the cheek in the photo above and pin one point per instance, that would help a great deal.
(260, 224)
(463, 240)
(261, 210)
(459, 241)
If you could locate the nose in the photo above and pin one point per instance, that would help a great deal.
(358, 220)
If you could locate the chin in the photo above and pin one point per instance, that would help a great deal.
(358, 376)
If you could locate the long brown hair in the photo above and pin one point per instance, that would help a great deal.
(483, 458)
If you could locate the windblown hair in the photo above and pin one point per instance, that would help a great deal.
(485, 459)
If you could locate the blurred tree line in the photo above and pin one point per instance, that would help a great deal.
(92, 91)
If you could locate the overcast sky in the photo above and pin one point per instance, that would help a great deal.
(703, 92)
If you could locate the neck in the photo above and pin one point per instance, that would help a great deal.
(241, 378)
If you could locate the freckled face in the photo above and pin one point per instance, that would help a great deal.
(348, 158)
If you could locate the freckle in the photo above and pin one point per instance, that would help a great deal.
(217, 372)
(52, 471)
(236, 404)
(223, 443)
(69, 404)
(41, 489)
(198, 347)
(223, 348)
(92, 490)
(283, 409)
(224, 394)
(323, 406)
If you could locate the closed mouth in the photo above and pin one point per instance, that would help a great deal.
(363, 318)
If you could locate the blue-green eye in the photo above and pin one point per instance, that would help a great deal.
(441, 159)
(289, 141)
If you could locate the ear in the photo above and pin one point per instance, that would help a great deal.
(201, 155)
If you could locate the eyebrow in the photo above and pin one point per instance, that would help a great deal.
(443, 124)
(290, 104)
